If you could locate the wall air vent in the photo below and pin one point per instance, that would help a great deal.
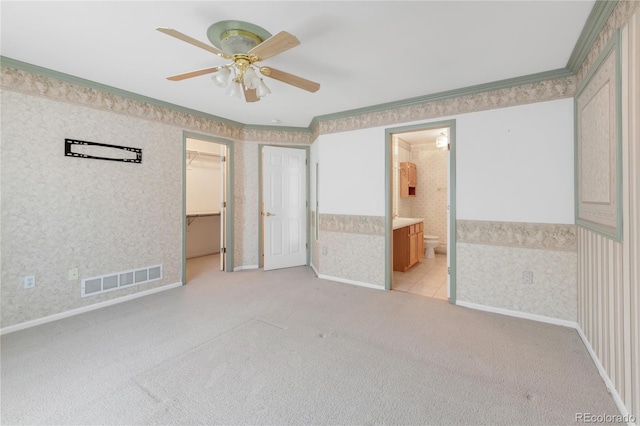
(117, 280)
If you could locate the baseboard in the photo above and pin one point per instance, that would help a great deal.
(346, 281)
(88, 308)
(607, 380)
(624, 412)
(314, 269)
(245, 267)
(518, 314)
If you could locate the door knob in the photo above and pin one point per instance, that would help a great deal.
(269, 214)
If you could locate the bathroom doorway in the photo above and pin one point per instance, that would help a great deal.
(207, 224)
(421, 210)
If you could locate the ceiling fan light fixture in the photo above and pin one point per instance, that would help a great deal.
(238, 41)
(235, 89)
(251, 79)
(221, 77)
(244, 44)
(262, 89)
(234, 37)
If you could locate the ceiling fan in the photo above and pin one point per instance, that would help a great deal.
(245, 44)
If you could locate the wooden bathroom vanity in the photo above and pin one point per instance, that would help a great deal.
(408, 243)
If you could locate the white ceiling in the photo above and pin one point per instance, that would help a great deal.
(421, 136)
(363, 53)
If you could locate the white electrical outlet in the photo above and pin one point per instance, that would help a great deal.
(30, 281)
(73, 274)
(527, 277)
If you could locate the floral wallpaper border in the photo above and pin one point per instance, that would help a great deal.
(546, 90)
(619, 17)
(352, 224)
(39, 85)
(543, 236)
(35, 84)
(48, 87)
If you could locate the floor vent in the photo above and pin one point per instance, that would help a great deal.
(118, 280)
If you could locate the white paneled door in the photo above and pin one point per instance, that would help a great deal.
(284, 211)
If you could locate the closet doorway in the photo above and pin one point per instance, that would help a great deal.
(206, 206)
(421, 210)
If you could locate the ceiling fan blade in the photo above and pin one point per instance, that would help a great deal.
(275, 45)
(294, 80)
(193, 74)
(250, 95)
(190, 40)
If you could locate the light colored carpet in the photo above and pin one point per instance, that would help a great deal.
(284, 347)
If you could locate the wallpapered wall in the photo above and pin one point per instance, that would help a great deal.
(501, 138)
(59, 213)
(431, 199)
(51, 109)
(98, 216)
(42, 110)
(609, 271)
(430, 202)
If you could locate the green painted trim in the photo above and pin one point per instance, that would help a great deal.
(276, 128)
(388, 209)
(466, 91)
(307, 149)
(229, 217)
(471, 90)
(614, 45)
(34, 69)
(388, 240)
(317, 206)
(260, 227)
(595, 23)
(12, 63)
(453, 252)
(183, 256)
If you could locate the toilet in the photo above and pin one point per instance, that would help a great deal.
(430, 243)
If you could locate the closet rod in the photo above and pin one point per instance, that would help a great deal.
(207, 154)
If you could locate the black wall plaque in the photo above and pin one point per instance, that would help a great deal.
(70, 143)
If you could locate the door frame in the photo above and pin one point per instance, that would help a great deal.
(228, 225)
(388, 189)
(307, 149)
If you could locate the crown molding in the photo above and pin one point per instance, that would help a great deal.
(265, 127)
(599, 15)
(466, 91)
(449, 94)
(34, 69)
(600, 12)
(46, 72)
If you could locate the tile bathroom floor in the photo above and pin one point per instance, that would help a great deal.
(427, 278)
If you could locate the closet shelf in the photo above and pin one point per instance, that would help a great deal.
(193, 216)
(192, 154)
